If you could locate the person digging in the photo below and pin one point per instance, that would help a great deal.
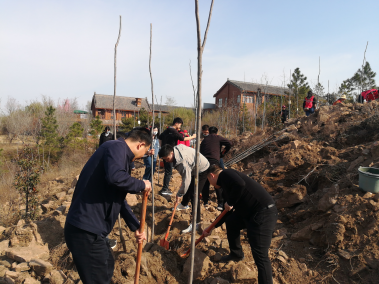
(250, 207)
(99, 198)
(340, 100)
(309, 104)
(183, 160)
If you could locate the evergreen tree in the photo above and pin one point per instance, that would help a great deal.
(96, 126)
(49, 128)
(76, 130)
(298, 86)
(364, 80)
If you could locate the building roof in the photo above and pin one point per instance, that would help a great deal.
(122, 103)
(167, 108)
(253, 87)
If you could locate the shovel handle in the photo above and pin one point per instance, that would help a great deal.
(172, 218)
(141, 229)
(211, 226)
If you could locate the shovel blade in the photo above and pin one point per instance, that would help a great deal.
(165, 244)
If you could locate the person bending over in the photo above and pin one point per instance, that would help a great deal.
(171, 136)
(183, 159)
(98, 199)
(250, 207)
(147, 159)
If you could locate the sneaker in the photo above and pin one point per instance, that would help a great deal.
(189, 229)
(165, 192)
(220, 207)
(227, 258)
(112, 243)
(206, 205)
(181, 207)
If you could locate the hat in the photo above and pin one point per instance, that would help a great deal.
(185, 131)
(283, 106)
(343, 97)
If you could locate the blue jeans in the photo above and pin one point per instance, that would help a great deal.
(147, 162)
(309, 111)
(222, 164)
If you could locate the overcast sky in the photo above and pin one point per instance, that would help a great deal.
(65, 49)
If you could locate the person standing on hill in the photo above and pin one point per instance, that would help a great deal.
(250, 207)
(309, 104)
(98, 199)
(340, 100)
(284, 114)
(210, 148)
(106, 136)
(183, 159)
(170, 137)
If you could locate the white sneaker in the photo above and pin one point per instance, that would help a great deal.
(189, 229)
(181, 207)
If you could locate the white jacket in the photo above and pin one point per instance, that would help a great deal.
(185, 165)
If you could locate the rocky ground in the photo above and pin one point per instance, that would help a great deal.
(327, 231)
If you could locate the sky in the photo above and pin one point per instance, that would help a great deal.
(65, 49)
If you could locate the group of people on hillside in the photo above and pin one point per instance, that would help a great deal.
(105, 180)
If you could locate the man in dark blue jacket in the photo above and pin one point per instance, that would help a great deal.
(98, 199)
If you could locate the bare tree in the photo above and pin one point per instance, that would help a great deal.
(200, 50)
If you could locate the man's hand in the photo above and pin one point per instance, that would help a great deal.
(207, 232)
(140, 237)
(151, 152)
(147, 186)
(227, 207)
(178, 199)
(193, 136)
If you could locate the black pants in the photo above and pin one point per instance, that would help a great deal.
(259, 227)
(92, 255)
(205, 190)
(190, 194)
(167, 174)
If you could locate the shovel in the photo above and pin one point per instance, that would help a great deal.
(211, 226)
(141, 229)
(164, 243)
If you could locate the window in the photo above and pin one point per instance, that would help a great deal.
(238, 99)
(226, 101)
(219, 102)
(123, 113)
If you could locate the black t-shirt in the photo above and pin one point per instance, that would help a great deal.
(210, 147)
(243, 193)
(170, 136)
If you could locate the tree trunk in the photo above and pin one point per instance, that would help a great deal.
(152, 135)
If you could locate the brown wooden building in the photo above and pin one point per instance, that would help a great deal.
(102, 106)
(236, 93)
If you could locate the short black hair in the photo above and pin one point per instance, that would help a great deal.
(165, 150)
(106, 128)
(140, 134)
(214, 169)
(205, 127)
(177, 120)
(310, 92)
(213, 130)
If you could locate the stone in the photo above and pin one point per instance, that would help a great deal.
(26, 254)
(219, 280)
(56, 277)
(21, 267)
(376, 197)
(5, 263)
(3, 270)
(74, 181)
(71, 191)
(12, 274)
(281, 259)
(295, 144)
(131, 199)
(241, 272)
(368, 195)
(47, 206)
(217, 257)
(374, 149)
(344, 254)
(329, 199)
(303, 235)
(291, 196)
(282, 254)
(31, 280)
(203, 263)
(60, 195)
(41, 267)
(4, 246)
(2, 229)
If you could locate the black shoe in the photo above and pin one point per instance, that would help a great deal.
(230, 257)
(112, 243)
(220, 207)
(165, 192)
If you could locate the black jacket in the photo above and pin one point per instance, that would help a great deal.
(101, 190)
(170, 136)
(211, 145)
(284, 114)
(104, 138)
(243, 193)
